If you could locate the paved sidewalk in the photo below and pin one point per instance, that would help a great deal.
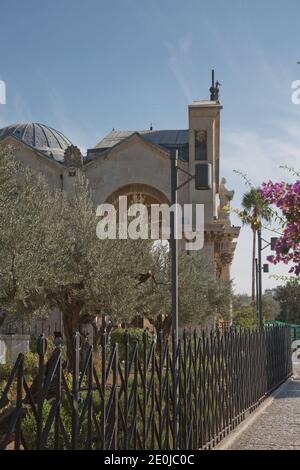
(277, 426)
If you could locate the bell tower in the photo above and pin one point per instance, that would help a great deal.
(204, 149)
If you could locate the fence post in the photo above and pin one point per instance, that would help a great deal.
(126, 374)
(152, 382)
(160, 387)
(103, 385)
(89, 397)
(75, 390)
(58, 401)
(144, 385)
(176, 351)
(116, 401)
(41, 350)
(20, 378)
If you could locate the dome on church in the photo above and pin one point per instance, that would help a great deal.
(43, 138)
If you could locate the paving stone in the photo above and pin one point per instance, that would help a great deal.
(278, 427)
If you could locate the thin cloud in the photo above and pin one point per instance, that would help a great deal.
(178, 60)
(15, 110)
(75, 130)
(260, 157)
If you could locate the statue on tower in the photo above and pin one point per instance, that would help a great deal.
(225, 197)
(215, 88)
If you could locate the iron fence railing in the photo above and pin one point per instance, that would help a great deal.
(152, 396)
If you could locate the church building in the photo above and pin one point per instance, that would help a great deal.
(138, 163)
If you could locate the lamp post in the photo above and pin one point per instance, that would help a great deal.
(203, 181)
(259, 270)
(260, 309)
(256, 284)
(174, 246)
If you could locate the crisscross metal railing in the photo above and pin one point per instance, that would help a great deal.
(153, 397)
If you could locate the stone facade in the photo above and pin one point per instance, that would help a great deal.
(128, 163)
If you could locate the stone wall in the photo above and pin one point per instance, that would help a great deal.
(13, 346)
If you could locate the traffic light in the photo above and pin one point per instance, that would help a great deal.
(203, 176)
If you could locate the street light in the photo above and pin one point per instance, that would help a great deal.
(202, 177)
(260, 270)
(203, 181)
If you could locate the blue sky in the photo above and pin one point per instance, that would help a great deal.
(86, 67)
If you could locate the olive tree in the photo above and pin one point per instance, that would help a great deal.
(50, 256)
(201, 295)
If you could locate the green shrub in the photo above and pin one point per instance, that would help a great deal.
(135, 336)
(2, 386)
(5, 370)
(50, 345)
(31, 366)
(33, 344)
(31, 363)
(29, 427)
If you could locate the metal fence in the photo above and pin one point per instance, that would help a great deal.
(145, 395)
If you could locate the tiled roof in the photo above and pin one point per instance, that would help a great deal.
(167, 139)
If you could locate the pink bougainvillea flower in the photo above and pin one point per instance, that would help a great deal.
(286, 198)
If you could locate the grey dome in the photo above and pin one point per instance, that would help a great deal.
(43, 138)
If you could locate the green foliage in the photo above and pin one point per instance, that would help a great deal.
(246, 318)
(33, 344)
(243, 311)
(31, 363)
(255, 209)
(135, 336)
(5, 370)
(245, 314)
(201, 294)
(50, 254)
(288, 297)
(50, 257)
(29, 427)
(271, 307)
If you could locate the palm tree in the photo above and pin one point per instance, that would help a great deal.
(255, 210)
